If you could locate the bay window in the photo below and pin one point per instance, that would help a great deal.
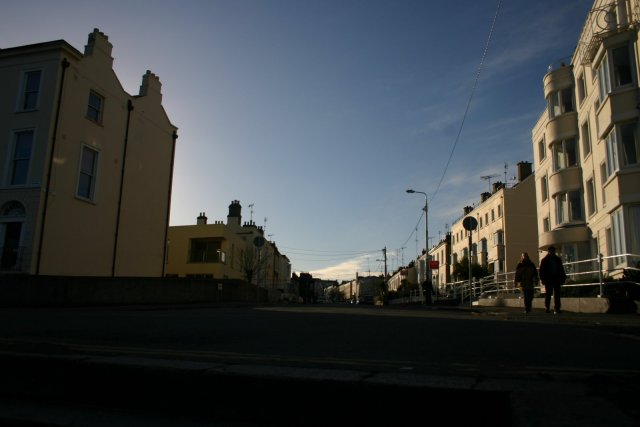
(615, 70)
(622, 146)
(564, 154)
(560, 102)
(569, 207)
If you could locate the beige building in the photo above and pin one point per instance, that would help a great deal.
(364, 289)
(506, 226)
(586, 145)
(440, 256)
(86, 170)
(226, 251)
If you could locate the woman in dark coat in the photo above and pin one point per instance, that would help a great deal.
(526, 278)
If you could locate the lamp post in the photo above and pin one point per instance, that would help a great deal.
(426, 238)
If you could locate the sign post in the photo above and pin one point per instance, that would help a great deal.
(469, 224)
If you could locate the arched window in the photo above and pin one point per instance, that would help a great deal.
(12, 209)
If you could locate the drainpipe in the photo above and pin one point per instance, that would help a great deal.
(65, 64)
(166, 227)
(119, 211)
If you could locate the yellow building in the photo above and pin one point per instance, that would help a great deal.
(440, 256)
(506, 226)
(85, 186)
(226, 251)
(586, 145)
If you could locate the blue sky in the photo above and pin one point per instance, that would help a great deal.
(322, 113)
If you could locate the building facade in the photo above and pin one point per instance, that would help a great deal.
(586, 145)
(86, 175)
(440, 256)
(226, 251)
(506, 226)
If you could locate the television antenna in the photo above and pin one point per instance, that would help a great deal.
(251, 210)
(488, 178)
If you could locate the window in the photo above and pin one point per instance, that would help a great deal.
(206, 250)
(603, 179)
(499, 211)
(582, 91)
(544, 188)
(88, 172)
(604, 84)
(498, 238)
(30, 90)
(585, 136)
(21, 157)
(591, 197)
(564, 154)
(560, 102)
(542, 151)
(569, 207)
(546, 226)
(633, 225)
(621, 61)
(618, 246)
(629, 144)
(486, 218)
(615, 70)
(622, 147)
(96, 105)
(493, 215)
(480, 222)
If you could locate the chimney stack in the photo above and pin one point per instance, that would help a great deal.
(202, 219)
(524, 170)
(98, 46)
(234, 217)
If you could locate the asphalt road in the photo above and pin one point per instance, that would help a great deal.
(468, 350)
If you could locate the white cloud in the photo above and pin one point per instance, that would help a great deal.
(347, 270)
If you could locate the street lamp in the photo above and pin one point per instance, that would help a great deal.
(426, 236)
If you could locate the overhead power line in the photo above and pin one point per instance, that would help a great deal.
(473, 90)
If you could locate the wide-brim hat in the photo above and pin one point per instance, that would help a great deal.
(551, 249)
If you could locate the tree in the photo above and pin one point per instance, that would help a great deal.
(335, 294)
(306, 283)
(461, 269)
(253, 264)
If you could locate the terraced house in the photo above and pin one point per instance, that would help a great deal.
(86, 169)
(586, 145)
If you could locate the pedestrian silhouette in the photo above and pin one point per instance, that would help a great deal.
(552, 276)
(526, 278)
(427, 291)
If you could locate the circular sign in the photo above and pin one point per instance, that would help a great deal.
(258, 241)
(470, 223)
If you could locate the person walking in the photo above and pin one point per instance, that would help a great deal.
(526, 278)
(552, 276)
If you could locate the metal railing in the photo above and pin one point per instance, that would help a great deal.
(600, 272)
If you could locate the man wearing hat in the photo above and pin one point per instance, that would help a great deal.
(552, 276)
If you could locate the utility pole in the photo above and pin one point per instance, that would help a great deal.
(384, 283)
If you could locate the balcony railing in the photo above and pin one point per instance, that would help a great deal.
(604, 21)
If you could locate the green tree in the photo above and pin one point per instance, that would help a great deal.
(461, 269)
